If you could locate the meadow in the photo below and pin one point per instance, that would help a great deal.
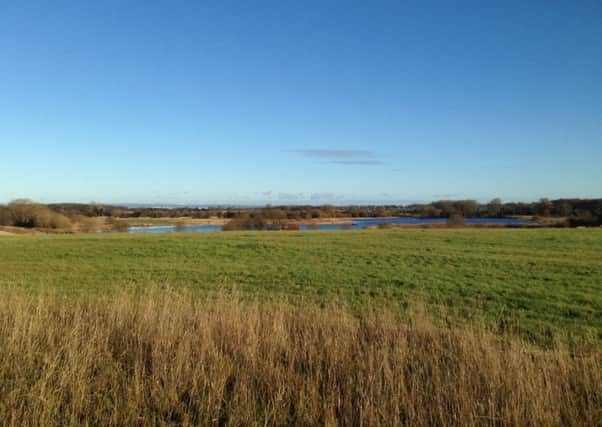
(416, 327)
(541, 281)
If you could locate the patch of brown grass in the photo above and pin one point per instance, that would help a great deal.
(170, 358)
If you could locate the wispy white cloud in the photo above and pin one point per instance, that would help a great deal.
(341, 156)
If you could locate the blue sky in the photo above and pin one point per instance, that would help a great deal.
(300, 101)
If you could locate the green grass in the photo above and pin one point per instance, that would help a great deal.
(544, 280)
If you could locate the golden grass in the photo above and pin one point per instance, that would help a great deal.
(169, 358)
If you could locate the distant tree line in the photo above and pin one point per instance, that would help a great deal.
(587, 212)
(576, 212)
(289, 212)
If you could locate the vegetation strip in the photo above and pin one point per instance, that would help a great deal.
(170, 358)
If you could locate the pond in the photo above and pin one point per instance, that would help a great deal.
(356, 224)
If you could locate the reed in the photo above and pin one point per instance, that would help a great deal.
(168, 358)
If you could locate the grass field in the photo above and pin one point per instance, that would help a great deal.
(540, 282)
(461, 327)
(165, 357)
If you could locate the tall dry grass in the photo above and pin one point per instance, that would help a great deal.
(168, 358)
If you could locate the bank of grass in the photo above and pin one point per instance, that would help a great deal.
(543, 284)
(170, 357)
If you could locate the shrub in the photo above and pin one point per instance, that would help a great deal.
(5, 216)
(24, 213)
(87, 224)
(255, 222)
(455, 220)
(117, 224)
(584, 219)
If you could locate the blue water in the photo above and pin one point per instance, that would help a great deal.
(357, 224)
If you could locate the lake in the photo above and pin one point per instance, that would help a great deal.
(357, 224)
